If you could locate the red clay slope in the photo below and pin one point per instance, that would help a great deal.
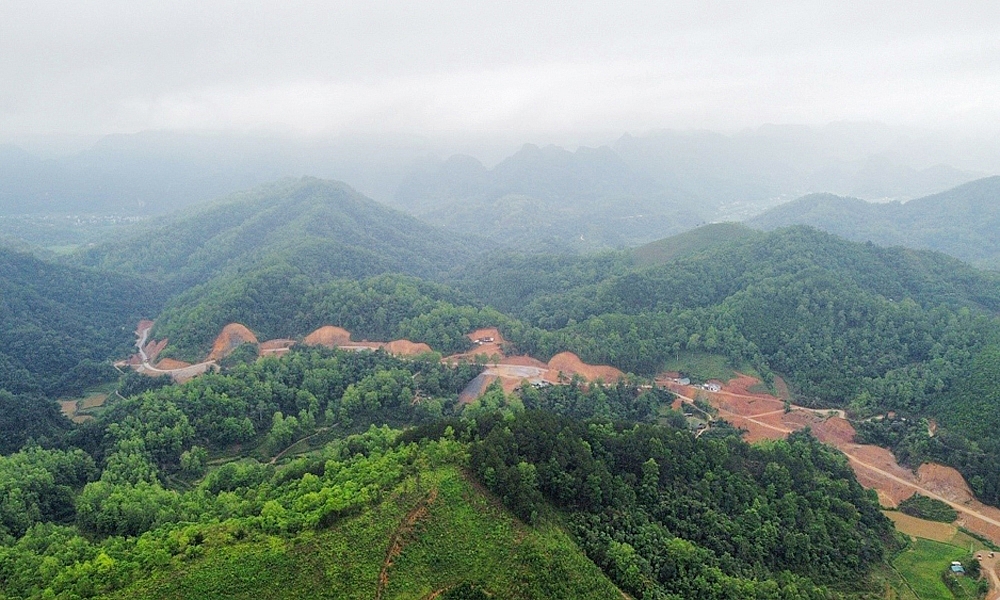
(232, 336)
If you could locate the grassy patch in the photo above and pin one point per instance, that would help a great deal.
(922, 565)
(701, 366)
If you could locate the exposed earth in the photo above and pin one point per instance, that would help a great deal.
(763, 417)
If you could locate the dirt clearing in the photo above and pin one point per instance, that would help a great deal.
(232, 335)
(570, 364)
(407, 348)
(931, 530)
(328, 336)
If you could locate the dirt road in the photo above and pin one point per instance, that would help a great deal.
(179, 374)
(984, 520)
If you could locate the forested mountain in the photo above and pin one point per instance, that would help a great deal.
(59, 325)
(324, 228)
(962, 222)
(846, 324)
(132, 507)
(551, 199)
(642, 188)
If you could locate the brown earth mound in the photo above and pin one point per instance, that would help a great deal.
(945, 482)
(328, 336)
(406, 348)
(144, 324)
(153, 349)
(232, 336)
(276, 344)
(482, 346)
(570, 364)
(169, 364)
(834, 431)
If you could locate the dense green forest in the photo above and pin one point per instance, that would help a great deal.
(194, 489)
(961, 221)
(59, 325)
(148, 501)
(325, 228)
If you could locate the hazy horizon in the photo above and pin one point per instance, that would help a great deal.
(564, 73)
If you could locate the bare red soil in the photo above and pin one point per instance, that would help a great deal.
(406, 348)
(153, 349)
(169, 364)
(328, 336)
(488, 348)
(876, 468)
(570, 364)
(232, 336)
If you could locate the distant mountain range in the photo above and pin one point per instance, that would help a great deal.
(634, 190)
(963, 222)
(324, 228)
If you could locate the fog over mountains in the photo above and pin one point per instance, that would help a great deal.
(714, 176)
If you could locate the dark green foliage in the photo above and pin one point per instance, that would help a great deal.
(961, 222)
(665, 513)
(60, 325)
(283, 302)
(465, 591)
(931, 509)
(623, 401)
(37, 485)
(243, 354)
(133, 383)
(28, 417)
(323, 227)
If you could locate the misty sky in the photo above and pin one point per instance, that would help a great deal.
(470, 68)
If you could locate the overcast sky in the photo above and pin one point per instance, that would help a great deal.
(482, 68)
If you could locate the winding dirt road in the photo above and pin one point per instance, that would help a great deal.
(179, 374)
(976, 515)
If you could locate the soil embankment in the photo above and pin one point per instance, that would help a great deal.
(232, 336)
(328, 336)
(764, 417)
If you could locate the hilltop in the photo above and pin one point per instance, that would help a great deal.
(324, 228)
(962, 221)
(60, 325)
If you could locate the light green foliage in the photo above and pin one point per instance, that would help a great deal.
(924, 563)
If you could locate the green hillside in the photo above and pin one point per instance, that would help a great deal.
(59, 325)
(962, 222)
(183, 492)
(324, 228)
(691, 242)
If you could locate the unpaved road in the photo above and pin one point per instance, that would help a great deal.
(181, 374)
(858, 463)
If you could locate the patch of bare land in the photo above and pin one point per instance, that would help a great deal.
(764, 417)
(475, 388)
(75, 410)
(570, 364)
(229, 339)
(171, 364)
(406, 348)
(328, 336)
(275, 347)
(931, 530)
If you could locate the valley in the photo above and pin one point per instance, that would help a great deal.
(301, 328)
